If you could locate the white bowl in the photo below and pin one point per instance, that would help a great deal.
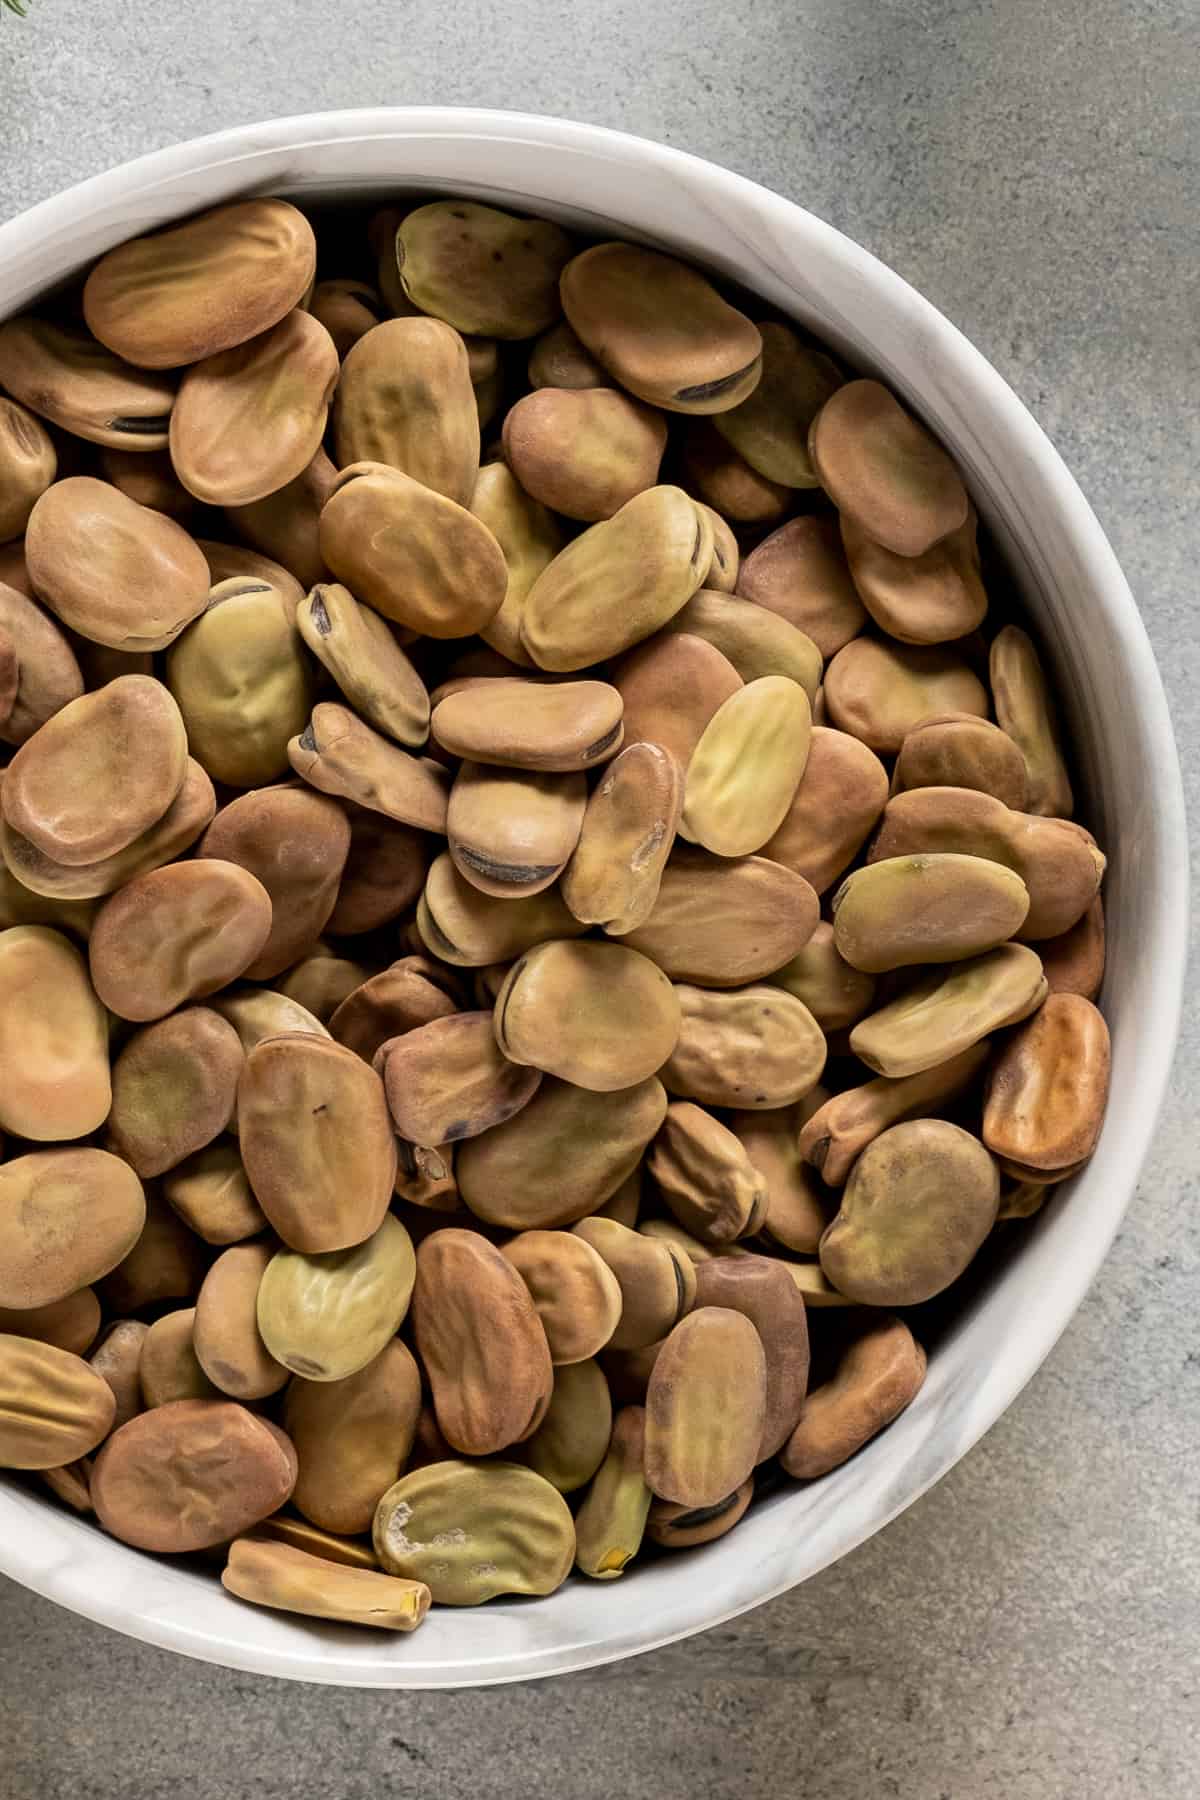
(1088, 624)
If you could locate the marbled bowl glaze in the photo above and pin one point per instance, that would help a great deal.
(1089, 626)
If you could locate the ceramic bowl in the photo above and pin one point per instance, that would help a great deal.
(1090, 630)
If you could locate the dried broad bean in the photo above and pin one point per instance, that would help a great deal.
(53, 1407)
(705, 1176)
(55, 1081)
(705, 1408)
(475, 1530)
(352, 1438)
(877, 1376)
(1047, 1086)
(748, 1047)
(67, 1217)
(577, 1296)
(610, 1523)
(327, 1315)
(948, 1009)
(292, 1580)
(598, 1015)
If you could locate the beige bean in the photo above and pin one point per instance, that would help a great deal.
(529, 536)
(295, 842)
(399, 1000)
(463, 926)
(511, 831)
(211, 1193)
(475, 1530)
(840, 797)
(67, 1217)
(661, 328)
(577, 1296)
(62, 374)
(316, 1139)
(705, 1177)
(28, 464)
(918, 1204)
(117, 1360)
(554, 727)
(69, 1324)
(337, 753)
(744, 1047)
(53, 1407)
(48, 675)
(286, 525)
(761, 1290)
(959, 750)
(327, 1315)
(291, 1580)
(572, 1440)
(948, 1009)
(168, 1369)
(219, 278)
(481, 269)
(54, 1071)
(610, 1523)
(754, 641)
(615, 870)
(584, 452)
(1025, 710)
(447, 1080)
(725, 922)
(834, 991)
(225, 1334)
(598, 1015)
(937, 908)
(405, 399)
(705, 1408)
(746, 767)
(176, 934)
(835, 1134)
(360, 651)
(353, 1438)
(250, 419)
(884, 471)
(926, 599)
(670, 687)
(656, 1279)
(770, 427)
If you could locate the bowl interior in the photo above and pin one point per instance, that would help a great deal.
(998, 1332)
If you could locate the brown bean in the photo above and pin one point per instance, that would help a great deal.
(53, 1407)
(448, 1080)
(296, 843)
(67, 1217)
(877, 1376)
(705, 1408)
(174, 1087)
(763, 1292)
(190, 1474)
(801, 573)
(353, 1438)
(225, 1331)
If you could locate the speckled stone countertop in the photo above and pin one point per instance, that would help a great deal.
(1031, 1629)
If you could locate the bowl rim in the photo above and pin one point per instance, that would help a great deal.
(63, 1578)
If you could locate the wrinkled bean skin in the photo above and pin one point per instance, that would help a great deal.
(763, 1292)
(615, 870)
(747, 1047)
(98, 774)
(48, 675)
(242, 683)
(173, 1089)
(55, 1081)
(28, 464)
(361, 653)
(948, 1009)
(598, 1015)
(661, 329)
(513, 1174)
(705, 1177)
(475, 1530)
(190, 1474)
(1025, 710)
(53, 1407)
(67, 1217)
(178, 828)
(481, 1343)
(316, 1139)
(610, 1523)
(178, 295)
(166, 1263)
(211, 1194)
(176, 934)
(843, 1126)
(1047, 1087)
(448, 1080)
(618, 581)
(577, 1296)
(64, 375)
(295, 842)
(919, 1202)
(352, 1438)
(878, 1375)
(250, 419)
(327, 1316)
(405, 399)
(705, 1408)
(482, 270)
(114, 571)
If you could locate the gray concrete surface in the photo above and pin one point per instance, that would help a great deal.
(1031, 1630)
